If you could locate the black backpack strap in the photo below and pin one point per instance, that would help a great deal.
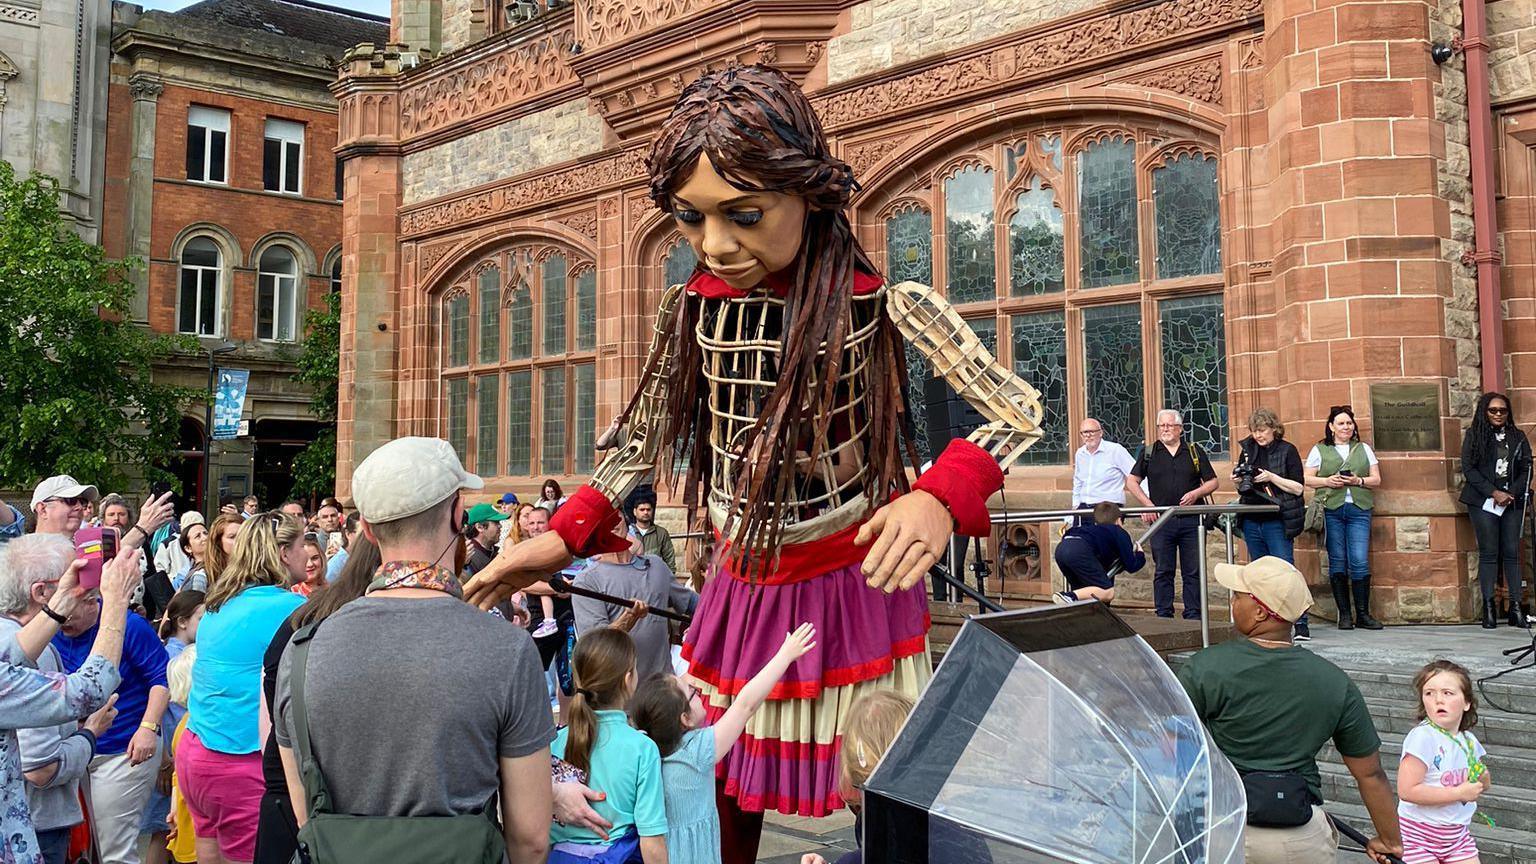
(314, 781)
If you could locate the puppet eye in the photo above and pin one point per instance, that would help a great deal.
(747, 217)
(689, 217)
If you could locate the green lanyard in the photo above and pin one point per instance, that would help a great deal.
(1475, 766)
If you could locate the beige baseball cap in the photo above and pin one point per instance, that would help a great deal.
(1274, 582)
(63, 486)
(408, 476)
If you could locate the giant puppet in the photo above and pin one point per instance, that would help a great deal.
(774, 388)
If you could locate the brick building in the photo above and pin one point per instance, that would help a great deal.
(1211, 204)
(223, 180)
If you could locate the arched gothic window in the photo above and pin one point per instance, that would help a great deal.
(198, 301)
(519, 385)
(1081, 255)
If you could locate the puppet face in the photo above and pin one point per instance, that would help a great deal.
(741, 237)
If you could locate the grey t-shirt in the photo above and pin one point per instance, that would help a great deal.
(646, 578)
(412, 701)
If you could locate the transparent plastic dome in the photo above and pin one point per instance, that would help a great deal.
(1053, 734)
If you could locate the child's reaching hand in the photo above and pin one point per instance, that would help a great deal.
(798, 644)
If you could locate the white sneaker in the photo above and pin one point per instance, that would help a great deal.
(547, 627)
(1062, 598)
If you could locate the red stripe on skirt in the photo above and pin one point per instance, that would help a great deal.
(844, 677)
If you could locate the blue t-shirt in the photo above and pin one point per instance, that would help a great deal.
(142, 668)
(626, 765)
(226, 676)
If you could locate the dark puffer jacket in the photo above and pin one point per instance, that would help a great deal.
(1281, 459)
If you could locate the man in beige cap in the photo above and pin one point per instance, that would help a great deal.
(418, 703)
(59, 503)
(1270, 706)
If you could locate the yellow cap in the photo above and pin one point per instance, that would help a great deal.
(1274, 582)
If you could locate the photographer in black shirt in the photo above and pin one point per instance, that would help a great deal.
(1268, 471)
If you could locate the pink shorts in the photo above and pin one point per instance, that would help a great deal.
(223, 793)
(1428, 843)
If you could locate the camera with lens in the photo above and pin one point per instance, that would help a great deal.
(1243, 474)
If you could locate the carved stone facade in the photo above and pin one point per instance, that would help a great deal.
(1329, 136)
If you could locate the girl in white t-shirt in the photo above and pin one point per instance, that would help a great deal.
(1442, 773)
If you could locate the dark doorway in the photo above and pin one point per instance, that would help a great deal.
(188, 468)
(277, 443)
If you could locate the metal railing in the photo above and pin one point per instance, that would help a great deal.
(1227, 512)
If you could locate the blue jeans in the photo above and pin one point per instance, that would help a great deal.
(1267, 537)
(1347, 531)
(53, 845)
(1180, 535)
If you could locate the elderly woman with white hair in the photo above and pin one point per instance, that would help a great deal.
(38, 590)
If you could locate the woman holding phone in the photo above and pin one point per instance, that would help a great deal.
(30, 698)
(1343, 469)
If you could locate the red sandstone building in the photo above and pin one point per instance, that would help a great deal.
(1207, 204)
(222, 180)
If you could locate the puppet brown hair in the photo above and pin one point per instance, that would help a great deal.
(761, 135)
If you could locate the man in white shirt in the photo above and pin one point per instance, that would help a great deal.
(1099, 468)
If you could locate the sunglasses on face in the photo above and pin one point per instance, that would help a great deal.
(1493, 409)
(71, 502)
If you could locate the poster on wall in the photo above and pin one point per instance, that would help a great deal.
(229, 403)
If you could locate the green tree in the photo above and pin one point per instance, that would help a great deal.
(314, 469)
(75, 376)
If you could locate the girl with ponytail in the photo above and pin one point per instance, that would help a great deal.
(617, 760)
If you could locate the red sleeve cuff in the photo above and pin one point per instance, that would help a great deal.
(586, 521)
(963, 478)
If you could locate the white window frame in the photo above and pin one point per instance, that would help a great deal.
(216, 272)
(281, 283)
(211, 120)
(285, 132)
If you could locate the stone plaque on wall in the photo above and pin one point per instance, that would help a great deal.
(1406, 416)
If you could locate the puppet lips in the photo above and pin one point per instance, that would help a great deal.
(735, 271)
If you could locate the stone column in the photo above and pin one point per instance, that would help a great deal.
(1363, 289)
(368, 144)
(146, 90)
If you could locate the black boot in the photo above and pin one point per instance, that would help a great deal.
(1363, 617)
(1517, 617)
(1489, 620)
(1340, 585)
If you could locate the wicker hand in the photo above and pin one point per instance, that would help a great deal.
(518, 566)
(909, 535)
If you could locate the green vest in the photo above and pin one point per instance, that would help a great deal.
(1333, 499)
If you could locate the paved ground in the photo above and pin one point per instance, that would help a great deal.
(787, 838)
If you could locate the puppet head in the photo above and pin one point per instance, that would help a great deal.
(753, 128)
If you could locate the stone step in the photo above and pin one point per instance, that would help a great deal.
(1512, 693)
(1494, 845)
(1511, 766)
(1496, 730)
(1511, 808)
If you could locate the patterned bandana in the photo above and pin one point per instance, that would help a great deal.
(415, 574)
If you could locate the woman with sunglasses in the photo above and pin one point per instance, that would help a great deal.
(1496, 465)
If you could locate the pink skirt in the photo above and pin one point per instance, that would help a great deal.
(865, 639)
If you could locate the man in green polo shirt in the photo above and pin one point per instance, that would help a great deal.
(1270, 706)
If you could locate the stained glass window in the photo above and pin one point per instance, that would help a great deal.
(585, 437)
(554, 304)
(1113, 370)
(970, 259)
(586, 310)
(1035, 243)
(1185, 194)
(458, 416)
(490, 315)
(487, 394)
(520, 422)
(1106, 213)
(1050, 147)
(918, 373)
(1013, 155)
(986, 331)
(1195, 367)
(552, 454)
(909, 247)
(458, 330)
(1040, 358)
(520, 323)
(679, 263)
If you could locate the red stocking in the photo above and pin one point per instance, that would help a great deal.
(740, 832)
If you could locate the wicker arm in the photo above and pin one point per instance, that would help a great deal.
(634, 447)
(1011, 405)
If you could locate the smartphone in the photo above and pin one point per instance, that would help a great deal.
(97, 546)
(1345, 472)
